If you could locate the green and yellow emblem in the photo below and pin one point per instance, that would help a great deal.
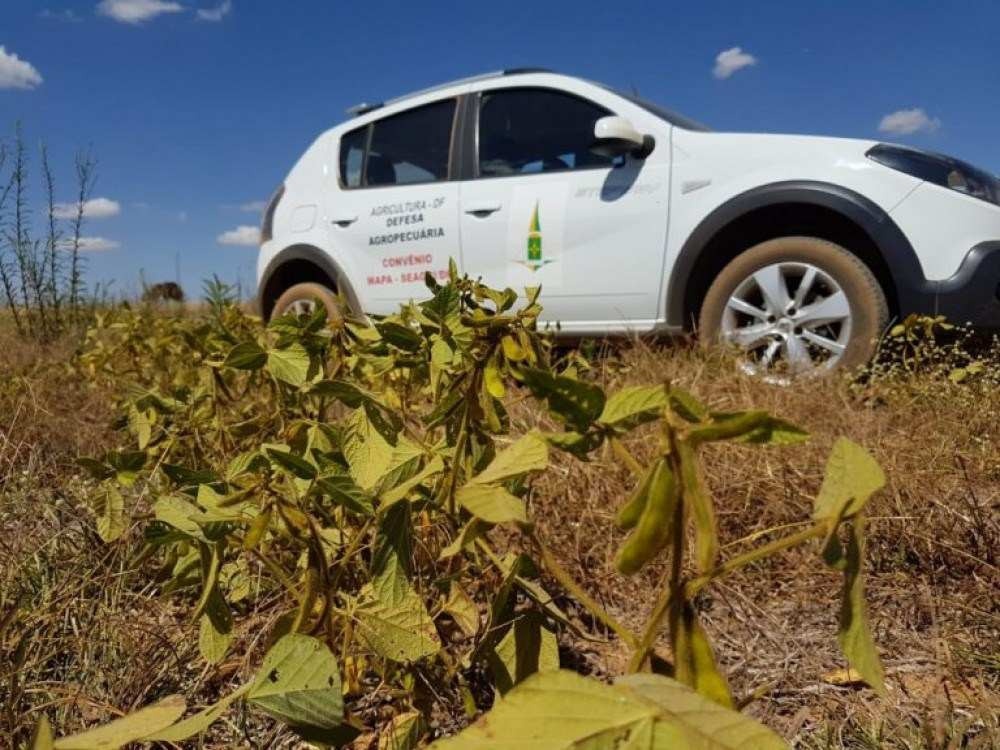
(534, 258)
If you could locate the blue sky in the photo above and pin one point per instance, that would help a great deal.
(197, 108)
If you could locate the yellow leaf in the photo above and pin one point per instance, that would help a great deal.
(129, 728)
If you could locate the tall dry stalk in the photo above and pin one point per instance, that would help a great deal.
(43, 291)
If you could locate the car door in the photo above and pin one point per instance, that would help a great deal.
(544, 209)
(394, 212)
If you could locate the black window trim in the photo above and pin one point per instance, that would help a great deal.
(369, 127)
(473, 123)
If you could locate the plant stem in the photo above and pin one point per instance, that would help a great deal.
(567, 582)
(626, 457)
(463, 433)
(735, 563)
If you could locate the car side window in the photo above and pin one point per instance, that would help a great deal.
(525, 131)
(404, 149)
(412, 146)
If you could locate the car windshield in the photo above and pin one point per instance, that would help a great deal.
(663, 113)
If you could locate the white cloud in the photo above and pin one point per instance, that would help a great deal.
(253, 207)
(730, 60)
(137, 11)
(91, 244)
(66, 16)
(242, 235)
(16, 73)
(215, 14)
(908, 121)
(95, 208)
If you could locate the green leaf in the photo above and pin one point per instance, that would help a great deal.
(576, 402)
(246, 356)
(529, 453)
(493, 380)
(396, 624)
(690, 721)
(407, 458)
(347, 393)
(295, 465)
(41, 737)
(696, 498)
(127, 465)
(130, 728)
(185, 477)
(391, 562)
(401, 336)
(852, 477)
(527, 648)
(749, 427)
(97, 469)
(141, 425)
(855, 633)
(441, 353)
(368, 453)
(180, 514)
(575, 443)
(694, 661)
(634, 405)
(212, 644)
(196, 723)
(298, 683)
(560, 711)
(512, 349)
(289, 365)
(492, 503)
(564, 711)
(434, 467)
(469, 533)
(686, 406)
(462, 608)
(403, 732)
(775, 431)
(109, 507)
(343, 490)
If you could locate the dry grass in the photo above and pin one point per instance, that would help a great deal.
(83, 639)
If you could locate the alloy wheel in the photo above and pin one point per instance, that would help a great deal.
(789, 318)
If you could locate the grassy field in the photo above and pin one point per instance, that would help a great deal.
(85, 636)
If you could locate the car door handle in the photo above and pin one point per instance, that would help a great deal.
(345, 220)
(482, 210)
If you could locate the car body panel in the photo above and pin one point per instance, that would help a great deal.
(943, 225)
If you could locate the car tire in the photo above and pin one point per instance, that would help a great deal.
(758, 303)
(301, 298)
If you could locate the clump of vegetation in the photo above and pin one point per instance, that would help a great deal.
(41, 273)
(930, 348)
(361, 484)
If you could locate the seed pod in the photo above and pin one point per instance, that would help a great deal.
(258, 527)
(629, 513)
(655, 524)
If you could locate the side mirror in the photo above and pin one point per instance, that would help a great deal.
(615, 136)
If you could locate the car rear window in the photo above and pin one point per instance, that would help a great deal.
(352, 156)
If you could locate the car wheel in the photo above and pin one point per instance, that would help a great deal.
(796, 306)
(303, 299)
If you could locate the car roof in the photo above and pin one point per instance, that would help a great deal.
(364, 108)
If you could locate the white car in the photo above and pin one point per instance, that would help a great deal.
(633, 219)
